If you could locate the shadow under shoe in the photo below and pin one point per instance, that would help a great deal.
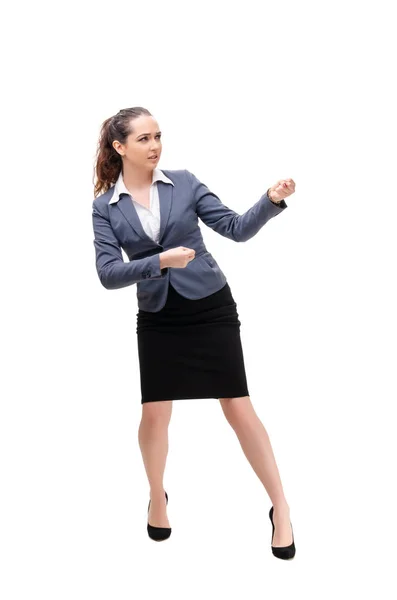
(284, 552)
(158, 533)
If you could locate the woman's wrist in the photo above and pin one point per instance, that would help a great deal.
(269, 192)
(163, 261)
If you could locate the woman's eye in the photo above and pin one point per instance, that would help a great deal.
(145, 138)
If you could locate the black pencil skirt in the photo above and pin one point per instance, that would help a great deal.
(191, 349)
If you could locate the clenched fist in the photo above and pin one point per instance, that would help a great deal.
(177, 257)
(282, 189)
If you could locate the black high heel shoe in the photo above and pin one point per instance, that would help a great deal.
(284, 552)
(158, 533)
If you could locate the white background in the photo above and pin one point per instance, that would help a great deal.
(245, 94)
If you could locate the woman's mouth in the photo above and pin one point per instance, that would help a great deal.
(153, 157)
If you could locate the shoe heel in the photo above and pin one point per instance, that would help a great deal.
(158, 534)
(283, 552)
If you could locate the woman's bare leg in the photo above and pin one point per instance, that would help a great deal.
(153, 442)
(255, 443)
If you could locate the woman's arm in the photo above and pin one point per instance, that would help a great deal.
(113, 272)
(226, 221)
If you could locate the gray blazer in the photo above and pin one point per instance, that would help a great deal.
(117, 226)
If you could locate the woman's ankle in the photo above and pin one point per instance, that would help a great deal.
(157, 493)
(281, 506)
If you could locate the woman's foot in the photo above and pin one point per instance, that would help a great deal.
(157, 516)
(282, 526)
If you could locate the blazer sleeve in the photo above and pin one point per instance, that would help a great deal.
(113, 272)
(226, 221)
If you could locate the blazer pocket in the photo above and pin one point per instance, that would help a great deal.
(209, 260)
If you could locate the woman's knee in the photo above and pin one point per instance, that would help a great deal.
(236, 408)
(157, 413)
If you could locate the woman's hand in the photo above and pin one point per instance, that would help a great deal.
(282, 189)
(178, 257)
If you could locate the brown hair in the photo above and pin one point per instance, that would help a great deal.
(108, 161)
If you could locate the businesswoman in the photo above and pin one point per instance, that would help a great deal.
(188, 330)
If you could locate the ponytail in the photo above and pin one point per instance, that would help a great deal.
(108, 161)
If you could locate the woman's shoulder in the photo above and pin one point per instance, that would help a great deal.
(102, 200)
(176, 175)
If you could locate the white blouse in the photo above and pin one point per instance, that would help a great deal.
(149, 217)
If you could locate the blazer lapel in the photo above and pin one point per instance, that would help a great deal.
(166, 194)
(128, 209)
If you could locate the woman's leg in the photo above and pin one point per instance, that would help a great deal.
(153, 442)
(256, 445)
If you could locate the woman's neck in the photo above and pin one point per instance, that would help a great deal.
(137, 178)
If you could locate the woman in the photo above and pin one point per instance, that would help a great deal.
(185, 303)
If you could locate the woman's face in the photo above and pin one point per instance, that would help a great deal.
(144, 142)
